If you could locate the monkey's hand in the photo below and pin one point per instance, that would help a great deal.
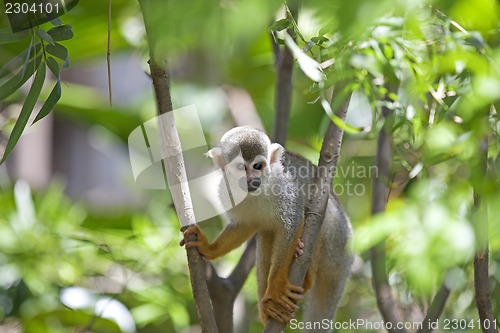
(278, 300)
(201, 241)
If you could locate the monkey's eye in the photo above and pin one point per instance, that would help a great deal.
(257, 166)
(240, 167)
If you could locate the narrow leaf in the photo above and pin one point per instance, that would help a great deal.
(54, 67)
(16, 81)
(63, 32)
(26, 110)
(310, 67)
(336, 120)
(50, 103)
(44, 35)
(54, 95)
(25, 66)
(280, 25)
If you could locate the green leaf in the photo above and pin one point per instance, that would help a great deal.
(26, 110)
(63, 32)
(57, 50)
(54, 67)
(319, 40)
(60, 52)
(54, 95)
(7, 36)
(56, 21)
(25, 66)
(280, 25)
(16, 81)
(44, 35)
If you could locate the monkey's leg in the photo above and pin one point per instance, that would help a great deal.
(280, 295)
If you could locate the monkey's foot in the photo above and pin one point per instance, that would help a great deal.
(279, 301)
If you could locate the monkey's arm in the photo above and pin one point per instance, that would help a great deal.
(231, 237)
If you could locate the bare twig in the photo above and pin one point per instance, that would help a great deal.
(316, 207)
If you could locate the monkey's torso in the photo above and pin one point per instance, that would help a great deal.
(268, 212)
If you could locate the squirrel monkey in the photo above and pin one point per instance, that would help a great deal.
(278, 184)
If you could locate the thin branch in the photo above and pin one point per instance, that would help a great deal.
(435, 310)
(284, 73)
(316, 207)
(108, 55)
(175, 168)
(383, 292)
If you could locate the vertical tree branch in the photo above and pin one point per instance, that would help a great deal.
(316, 207)
(481, 274)
(383, 292)
(284, 73)
(174, 165)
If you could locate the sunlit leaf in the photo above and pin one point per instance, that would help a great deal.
(310, 67)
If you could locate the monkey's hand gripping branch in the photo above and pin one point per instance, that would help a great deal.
(204, 247)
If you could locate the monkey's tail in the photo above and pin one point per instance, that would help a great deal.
(322, 300)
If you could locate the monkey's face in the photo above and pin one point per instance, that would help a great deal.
(250, 174)
(255, 171)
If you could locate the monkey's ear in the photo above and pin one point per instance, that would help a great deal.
(276, 152)
(216, 155)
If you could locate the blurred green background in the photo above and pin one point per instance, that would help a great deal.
(83, 248)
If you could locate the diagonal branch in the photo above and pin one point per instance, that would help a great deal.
(316, 207)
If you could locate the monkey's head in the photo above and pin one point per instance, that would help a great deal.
(246, 149)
